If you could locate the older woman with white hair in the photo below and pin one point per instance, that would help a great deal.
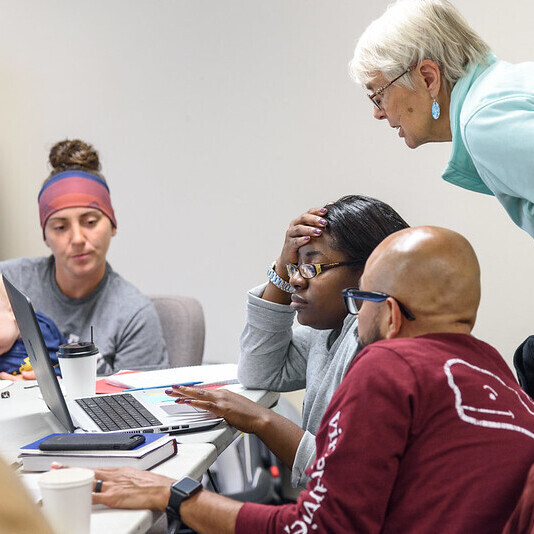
(435, 79)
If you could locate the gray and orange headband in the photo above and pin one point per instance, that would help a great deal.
(73, 189)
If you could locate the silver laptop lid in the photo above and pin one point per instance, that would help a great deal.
(49, 384)
(38, 354)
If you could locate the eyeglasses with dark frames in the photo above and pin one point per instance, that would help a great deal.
(378, 92)
(353, 301)
(311, 270)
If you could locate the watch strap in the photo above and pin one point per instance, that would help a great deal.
(174, 521)
(180, 491)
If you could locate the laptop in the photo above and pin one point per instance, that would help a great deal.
(139, 411)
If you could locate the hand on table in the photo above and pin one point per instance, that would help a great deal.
(240, 412)
(126, 487)
(25, 375)
(129, 488)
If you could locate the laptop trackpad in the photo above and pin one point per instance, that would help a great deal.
(156, 399)
(180, 409)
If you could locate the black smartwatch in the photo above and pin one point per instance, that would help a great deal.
(180, 491)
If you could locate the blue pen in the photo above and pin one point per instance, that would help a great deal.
(162, 387)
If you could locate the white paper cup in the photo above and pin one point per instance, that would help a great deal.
(77, 362)
(66, 495)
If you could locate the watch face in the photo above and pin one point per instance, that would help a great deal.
(182, 490)
(187, 485)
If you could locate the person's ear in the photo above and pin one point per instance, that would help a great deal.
(394, 319)
(431, 75)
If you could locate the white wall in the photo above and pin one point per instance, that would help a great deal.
(219, 121)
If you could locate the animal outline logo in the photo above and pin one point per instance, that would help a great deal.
(494, 413)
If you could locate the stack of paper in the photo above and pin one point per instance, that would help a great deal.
(201, 374)
(156, 449)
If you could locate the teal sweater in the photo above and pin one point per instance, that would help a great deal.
(492, 125)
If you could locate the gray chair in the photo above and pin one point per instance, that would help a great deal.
(182, 322)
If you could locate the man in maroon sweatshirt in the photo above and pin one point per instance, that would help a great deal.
(428, 432)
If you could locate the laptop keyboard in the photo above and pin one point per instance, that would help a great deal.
(117, 412)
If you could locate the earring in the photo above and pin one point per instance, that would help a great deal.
(436, 110)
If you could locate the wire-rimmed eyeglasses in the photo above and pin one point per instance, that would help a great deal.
(379, 91)
(311, 270)
(353, 300)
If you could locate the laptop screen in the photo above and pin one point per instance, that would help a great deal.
(38, 354)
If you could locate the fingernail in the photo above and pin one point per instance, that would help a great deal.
(322, 210)
(176, 386)
(306, 238)
(322, 222)
(317, 231)
(169, 391)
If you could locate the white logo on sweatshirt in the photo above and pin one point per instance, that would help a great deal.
(483, 399)
(317, 493)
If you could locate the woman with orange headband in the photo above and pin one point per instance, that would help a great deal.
(75, 286)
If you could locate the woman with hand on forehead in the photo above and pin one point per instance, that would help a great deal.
(434, 79)
(324, 251)
(75, 286)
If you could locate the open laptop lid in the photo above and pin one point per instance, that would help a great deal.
(38, 354)
(49, 384)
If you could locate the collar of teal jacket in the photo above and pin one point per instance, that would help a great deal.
(461, 170)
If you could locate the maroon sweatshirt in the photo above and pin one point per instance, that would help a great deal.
(427, 434)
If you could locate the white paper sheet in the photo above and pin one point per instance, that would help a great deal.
(177, 375)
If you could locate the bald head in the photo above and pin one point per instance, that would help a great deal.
(434, 272)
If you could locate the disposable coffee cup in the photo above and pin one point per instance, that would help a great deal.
(77, 362)
(66, 496)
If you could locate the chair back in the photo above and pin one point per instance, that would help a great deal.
(182, 322)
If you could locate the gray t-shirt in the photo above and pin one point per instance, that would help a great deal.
(125, 323)
(278, 357)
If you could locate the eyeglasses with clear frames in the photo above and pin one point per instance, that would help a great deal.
(353, 297)
(378, 92)
(311, 270)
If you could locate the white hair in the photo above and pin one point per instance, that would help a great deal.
(411, 31)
